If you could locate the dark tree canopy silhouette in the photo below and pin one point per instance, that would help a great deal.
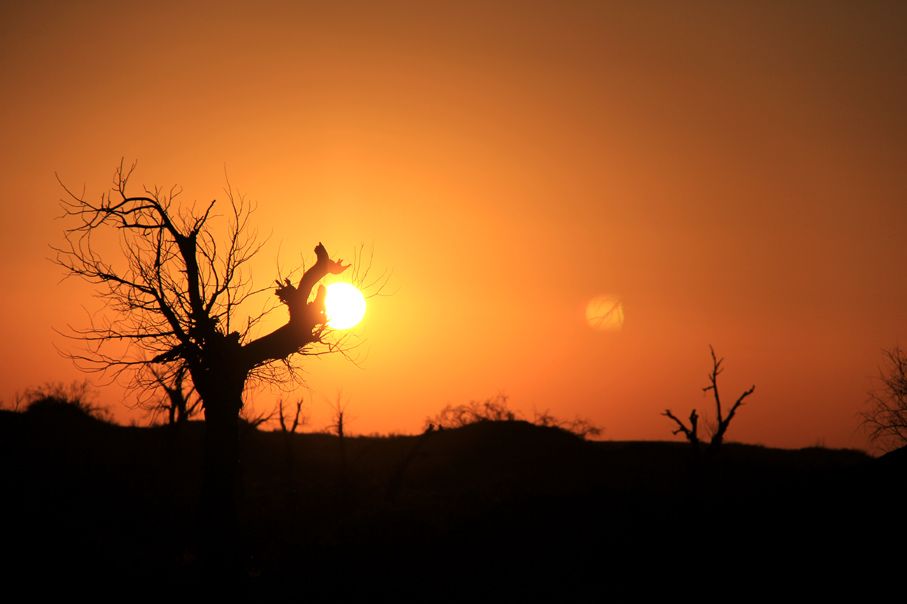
(885, 419)
(173, 298)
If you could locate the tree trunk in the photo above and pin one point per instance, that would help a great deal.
(217, 506)
(220, 383)
(219, 370)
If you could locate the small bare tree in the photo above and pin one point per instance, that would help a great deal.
(341, 422)
(178, 395)
(299, 417)
(691, 432)
(886, 417)
(340, 416)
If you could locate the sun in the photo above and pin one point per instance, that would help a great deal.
(345, 306)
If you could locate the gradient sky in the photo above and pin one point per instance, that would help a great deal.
(733, 171)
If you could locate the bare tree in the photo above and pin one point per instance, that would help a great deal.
(886, 417)
(691, 432)
(299, 417)
(340, 416)
(341, 421)
(177, 396)
(173, 304)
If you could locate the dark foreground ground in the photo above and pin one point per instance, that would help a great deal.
(496, 507)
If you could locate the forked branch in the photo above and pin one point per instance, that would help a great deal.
(691, 432)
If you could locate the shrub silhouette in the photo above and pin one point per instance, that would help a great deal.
(496, 409)
(60, 403)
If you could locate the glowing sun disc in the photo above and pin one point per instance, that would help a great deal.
(345, 306)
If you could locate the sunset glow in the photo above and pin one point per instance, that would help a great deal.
(345, 306)
(568, 197)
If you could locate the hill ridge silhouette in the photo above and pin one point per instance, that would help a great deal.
(509, 495)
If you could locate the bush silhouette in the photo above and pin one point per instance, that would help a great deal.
(496, 409)
(57, 402)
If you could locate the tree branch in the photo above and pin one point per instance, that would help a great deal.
(307, 320)
(691, 432)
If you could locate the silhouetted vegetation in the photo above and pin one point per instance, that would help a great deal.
(497, 409)
(886, 417)
(299, 417)
(490, 505)
(55, 400)
(289, 428)
(172, 311)
(178, 402)
(702, 460)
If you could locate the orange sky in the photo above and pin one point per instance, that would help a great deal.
(733, 171)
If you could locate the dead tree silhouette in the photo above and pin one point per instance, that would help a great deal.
(176, 404)
(172, 303)
(702, 461)
(341, 419)
(885, 419)
(288, 429)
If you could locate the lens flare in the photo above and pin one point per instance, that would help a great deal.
(605, 313)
